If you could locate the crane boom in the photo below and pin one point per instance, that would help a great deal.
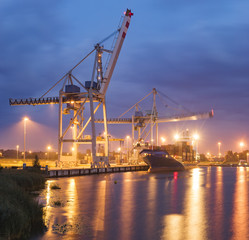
(147, 119)
(193, 116)
(116, 51)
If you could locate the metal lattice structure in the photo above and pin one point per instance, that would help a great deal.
(74, 95)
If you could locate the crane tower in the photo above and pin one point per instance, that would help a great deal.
(74, 95)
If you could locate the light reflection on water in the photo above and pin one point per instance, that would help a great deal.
(240, 211)
(202, 203)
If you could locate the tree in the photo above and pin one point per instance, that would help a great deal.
(203, 158)
(36, 163)
(231, 157)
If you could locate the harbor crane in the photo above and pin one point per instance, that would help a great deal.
(73, 96)
(141, 120)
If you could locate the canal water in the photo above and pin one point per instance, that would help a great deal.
(201, 203)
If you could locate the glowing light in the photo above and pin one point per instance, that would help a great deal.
(73, 149)
(196, 136)
(49, 147)
(25, 119)
(241, 144)
(119, 149)
(163, 139)
(128, 137)
(176, 137)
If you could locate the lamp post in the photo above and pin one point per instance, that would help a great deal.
(17, 148)
(163, 140)
(219, 154)
(176, 137)
(49, 148)
(241, 146)
(24, 137)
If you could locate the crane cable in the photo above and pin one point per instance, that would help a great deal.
(135, 104)
(68, 72)
(174, 101)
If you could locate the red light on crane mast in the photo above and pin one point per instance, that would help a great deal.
(212, 113)
(128, 13)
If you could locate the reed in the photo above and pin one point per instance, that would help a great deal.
(20, 213)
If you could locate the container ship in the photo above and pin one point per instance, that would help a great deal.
(160, 161)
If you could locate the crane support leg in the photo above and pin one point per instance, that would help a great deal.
(151, 133)
(132, 138)
(106, 131)
(75, 146)
(93, 128)
(60, 128)
(157, 140)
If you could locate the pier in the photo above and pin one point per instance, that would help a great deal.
(55, 173)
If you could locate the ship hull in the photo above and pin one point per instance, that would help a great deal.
(162, 164)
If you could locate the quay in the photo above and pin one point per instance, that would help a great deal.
(55, 173)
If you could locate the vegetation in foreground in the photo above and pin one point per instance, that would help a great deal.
(20, 214)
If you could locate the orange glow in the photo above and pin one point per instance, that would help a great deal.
(176, 137)
(241, 144)
(196, 136)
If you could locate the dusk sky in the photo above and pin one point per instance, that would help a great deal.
(195, 52)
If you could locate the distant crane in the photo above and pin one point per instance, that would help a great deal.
(141, 120)
(75, 99)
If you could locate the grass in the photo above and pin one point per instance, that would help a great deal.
(20, 214)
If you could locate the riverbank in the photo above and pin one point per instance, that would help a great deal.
(20, 213)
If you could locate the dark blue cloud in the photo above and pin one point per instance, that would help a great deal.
(195, 52)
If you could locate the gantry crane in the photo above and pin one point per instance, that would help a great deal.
(74, 95)
(140, 120)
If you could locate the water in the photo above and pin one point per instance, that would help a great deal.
(202, 203)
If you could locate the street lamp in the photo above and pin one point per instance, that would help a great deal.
(24, 138)
(17, 148)
(242, 144)
(49, 148)
(176, 137)
(219, 154)
(163, 140)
